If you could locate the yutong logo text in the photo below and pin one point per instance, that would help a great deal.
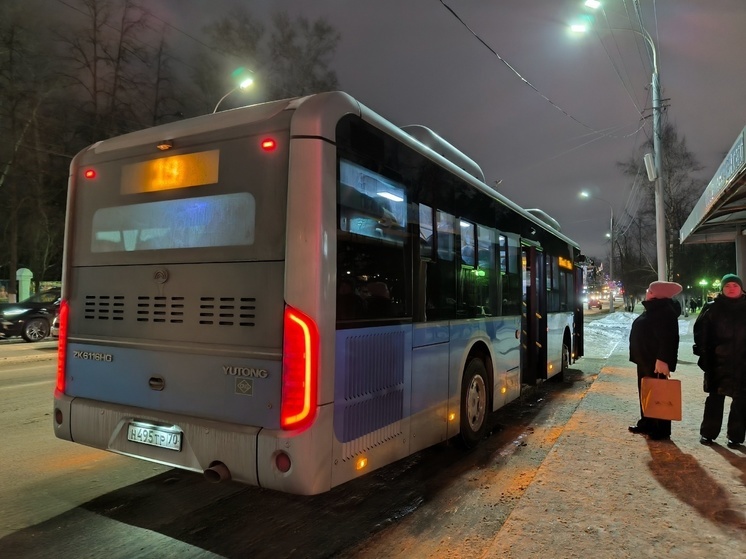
(245, 372)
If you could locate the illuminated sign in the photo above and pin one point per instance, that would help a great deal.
(167, 173)
(565, 263)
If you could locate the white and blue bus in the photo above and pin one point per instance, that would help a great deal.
(293, 294)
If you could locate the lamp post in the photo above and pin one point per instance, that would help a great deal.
(586, 194)
(703, 284)
(245, 83)
(660, 218)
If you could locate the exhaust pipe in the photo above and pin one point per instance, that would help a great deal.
(217, 472)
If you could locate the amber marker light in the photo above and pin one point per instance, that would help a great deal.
(361, 463)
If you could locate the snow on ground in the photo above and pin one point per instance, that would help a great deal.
(602, 336)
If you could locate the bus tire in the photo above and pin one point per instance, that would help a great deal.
(565, 365)
(474, 403)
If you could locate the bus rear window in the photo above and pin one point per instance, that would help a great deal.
(208, 221)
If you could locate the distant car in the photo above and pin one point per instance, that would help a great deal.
(594, 303)
(54, 331)
(31, 318)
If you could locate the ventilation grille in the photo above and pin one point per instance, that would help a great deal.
(371, 410)
(160, 309)
(205, 311)
(104, 307)
(227, 311)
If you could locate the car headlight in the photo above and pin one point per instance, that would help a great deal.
(9, 313)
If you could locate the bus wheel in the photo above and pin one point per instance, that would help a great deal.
(474, 403)
(565, 362)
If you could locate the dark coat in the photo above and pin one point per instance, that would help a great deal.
(655, 335)
(720, 343)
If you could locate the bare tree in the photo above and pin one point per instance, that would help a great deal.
(105, 64)
(682, 188)
(291, 57)
(24, 87)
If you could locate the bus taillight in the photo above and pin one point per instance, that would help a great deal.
(62, 345)
(300, 360)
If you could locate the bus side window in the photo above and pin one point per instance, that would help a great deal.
(426, 231)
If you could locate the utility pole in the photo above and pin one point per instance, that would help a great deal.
(660, 217)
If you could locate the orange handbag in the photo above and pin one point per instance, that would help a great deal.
(661, 398)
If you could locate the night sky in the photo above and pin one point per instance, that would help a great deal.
(547, 113)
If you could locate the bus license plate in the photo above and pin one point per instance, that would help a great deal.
(154, 436)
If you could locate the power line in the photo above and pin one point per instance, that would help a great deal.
(514, 71)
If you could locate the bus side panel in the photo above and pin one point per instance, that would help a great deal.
(556, 325)
(373, 382)
(506, 359)
(429, 385)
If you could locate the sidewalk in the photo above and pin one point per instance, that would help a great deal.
(603, 492)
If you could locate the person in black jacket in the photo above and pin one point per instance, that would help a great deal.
(654, 347)
(720, 343)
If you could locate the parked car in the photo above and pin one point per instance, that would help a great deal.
(31, 318)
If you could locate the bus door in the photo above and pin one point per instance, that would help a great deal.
(577, 331)
(533, 315)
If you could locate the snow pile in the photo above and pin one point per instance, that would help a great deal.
(602, 336)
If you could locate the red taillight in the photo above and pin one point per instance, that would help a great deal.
(62, 346)
(269, 144)
(89, 174)
(300, 361)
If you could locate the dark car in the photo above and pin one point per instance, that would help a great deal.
(31, 318)
(594, 302)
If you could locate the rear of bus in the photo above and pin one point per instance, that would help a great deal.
(177, 344)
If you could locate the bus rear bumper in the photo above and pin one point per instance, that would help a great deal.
(203, 443)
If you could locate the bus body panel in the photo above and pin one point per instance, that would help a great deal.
(558, 324)
(240, 390)
(104, 426)
(310, 452)
(206, 342)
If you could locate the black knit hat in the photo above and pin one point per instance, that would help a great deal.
(730, 277)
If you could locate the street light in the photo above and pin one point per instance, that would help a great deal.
(586, 194)
(660, 219)
(246, 79)
(703, 284)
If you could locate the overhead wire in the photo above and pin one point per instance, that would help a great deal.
(518, 74)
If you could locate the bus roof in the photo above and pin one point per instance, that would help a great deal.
(306, 122)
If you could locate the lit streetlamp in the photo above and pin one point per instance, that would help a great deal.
(245, 81)
(586, 194)
(703, 283)
(656, 174)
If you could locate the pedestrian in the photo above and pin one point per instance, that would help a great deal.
(654, 347)
(693, 305)
(720, 343)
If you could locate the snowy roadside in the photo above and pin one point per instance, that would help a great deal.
(602, 336)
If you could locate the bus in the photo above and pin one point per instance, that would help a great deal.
(295, 293)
